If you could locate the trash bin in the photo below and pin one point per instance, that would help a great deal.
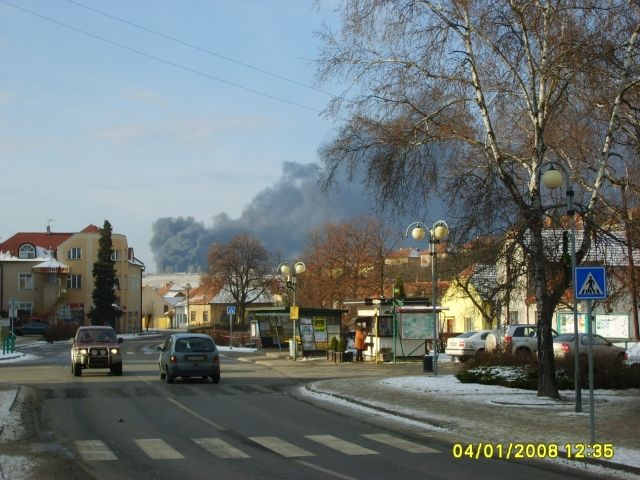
(427, 363)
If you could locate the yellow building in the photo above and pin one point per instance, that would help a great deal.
(50, 276)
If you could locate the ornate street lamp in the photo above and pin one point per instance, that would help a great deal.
(438, 231)
(552, 178)
(188, 287)
(291, 276)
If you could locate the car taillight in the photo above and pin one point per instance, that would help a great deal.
(461, 343)
(565, 347)
(507, 339)
(173, 359)
(216, 359)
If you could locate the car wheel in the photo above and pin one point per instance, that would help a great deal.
(116, 369)
(523, 355)
(170, 378)
(216, 378)
(77, 369)
(162, 374)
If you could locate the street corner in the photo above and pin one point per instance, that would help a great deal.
(13, 356)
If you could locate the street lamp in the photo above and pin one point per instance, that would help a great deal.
(552, 178)
(188, 287)
(291, 274)
(438, 231)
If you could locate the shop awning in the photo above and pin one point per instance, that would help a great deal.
(50, 266)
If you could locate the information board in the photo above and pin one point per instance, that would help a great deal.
(416, 326)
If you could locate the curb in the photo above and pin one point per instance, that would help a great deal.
(364, 403)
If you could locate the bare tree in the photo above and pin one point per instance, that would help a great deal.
(471, 99)
(347, 261)
(244, 269)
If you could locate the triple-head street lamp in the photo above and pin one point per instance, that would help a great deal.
(438, 231)
(552, 178)
(187, 287)
(291, 274)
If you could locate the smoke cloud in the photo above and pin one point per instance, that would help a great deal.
(281, 216)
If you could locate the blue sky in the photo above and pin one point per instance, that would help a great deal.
(91, 130)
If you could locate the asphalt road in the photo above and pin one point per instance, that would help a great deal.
(251, 425)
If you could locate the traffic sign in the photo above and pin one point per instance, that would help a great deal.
(591, 283)
(231, 310)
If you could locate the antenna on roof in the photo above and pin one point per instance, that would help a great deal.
(49, 220)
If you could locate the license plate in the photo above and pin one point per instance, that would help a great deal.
(195, 358)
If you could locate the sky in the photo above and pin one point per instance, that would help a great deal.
(134, 110)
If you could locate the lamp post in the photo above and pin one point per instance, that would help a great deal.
(291, 275)
(552, 178)
(438, 231)
(188, 287)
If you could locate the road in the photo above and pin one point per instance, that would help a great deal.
(251, 425)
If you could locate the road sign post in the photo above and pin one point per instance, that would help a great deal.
(231, 311)
(591, 284)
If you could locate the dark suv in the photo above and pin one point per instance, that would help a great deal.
(519, 339)
(96, 347)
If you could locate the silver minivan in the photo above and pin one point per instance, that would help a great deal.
(189, 355)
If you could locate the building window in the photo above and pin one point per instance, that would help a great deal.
(27, 251)
(25, 281)
(74, 281)
(205, 317)
(193, 317)
(74, 253)
(165, 309)
(468, 324)
(115, 255)
(25, 309)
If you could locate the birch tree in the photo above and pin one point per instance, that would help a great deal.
(470, 100)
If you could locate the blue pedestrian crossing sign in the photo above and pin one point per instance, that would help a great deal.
(231, 310)
(591, 283)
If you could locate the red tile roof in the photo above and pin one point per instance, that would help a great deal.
(39, 239)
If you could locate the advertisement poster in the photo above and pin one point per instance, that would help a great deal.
(564, 322)
(612, 326)
(416, 326)
(320, 329)
(306, 333)
(608, 326)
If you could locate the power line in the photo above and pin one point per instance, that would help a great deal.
(159, 59)
(196, 47)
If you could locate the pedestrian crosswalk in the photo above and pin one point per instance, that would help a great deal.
(159, 449)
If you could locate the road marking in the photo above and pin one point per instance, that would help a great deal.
(343, 446)
(400, 443)
(94, 450)
(219, 448)
(325, 470)
(281, 447)
(195, 414)
(158, 449)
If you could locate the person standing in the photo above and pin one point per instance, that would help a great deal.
(359, 343)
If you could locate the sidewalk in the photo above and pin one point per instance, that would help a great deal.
(466, 413)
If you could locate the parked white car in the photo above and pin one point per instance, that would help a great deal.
(467, 344)
(633, 354)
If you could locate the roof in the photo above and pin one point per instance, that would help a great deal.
(48, 241)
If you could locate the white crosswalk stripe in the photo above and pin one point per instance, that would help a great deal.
(281, 447)
(400, 443)
(340, 445)
(219, 448)
(94, 450)
(158, 449)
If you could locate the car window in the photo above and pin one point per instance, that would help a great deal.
(466, 334)
(518, 332)
(484, 336)
(565, 337)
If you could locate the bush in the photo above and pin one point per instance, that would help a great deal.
(497, 368)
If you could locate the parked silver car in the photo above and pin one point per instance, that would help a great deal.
(189, 355)
(603, 349)
(467, 344)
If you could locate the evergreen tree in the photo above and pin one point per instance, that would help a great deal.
(105, 279)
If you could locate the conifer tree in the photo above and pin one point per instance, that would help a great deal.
(105, 279)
